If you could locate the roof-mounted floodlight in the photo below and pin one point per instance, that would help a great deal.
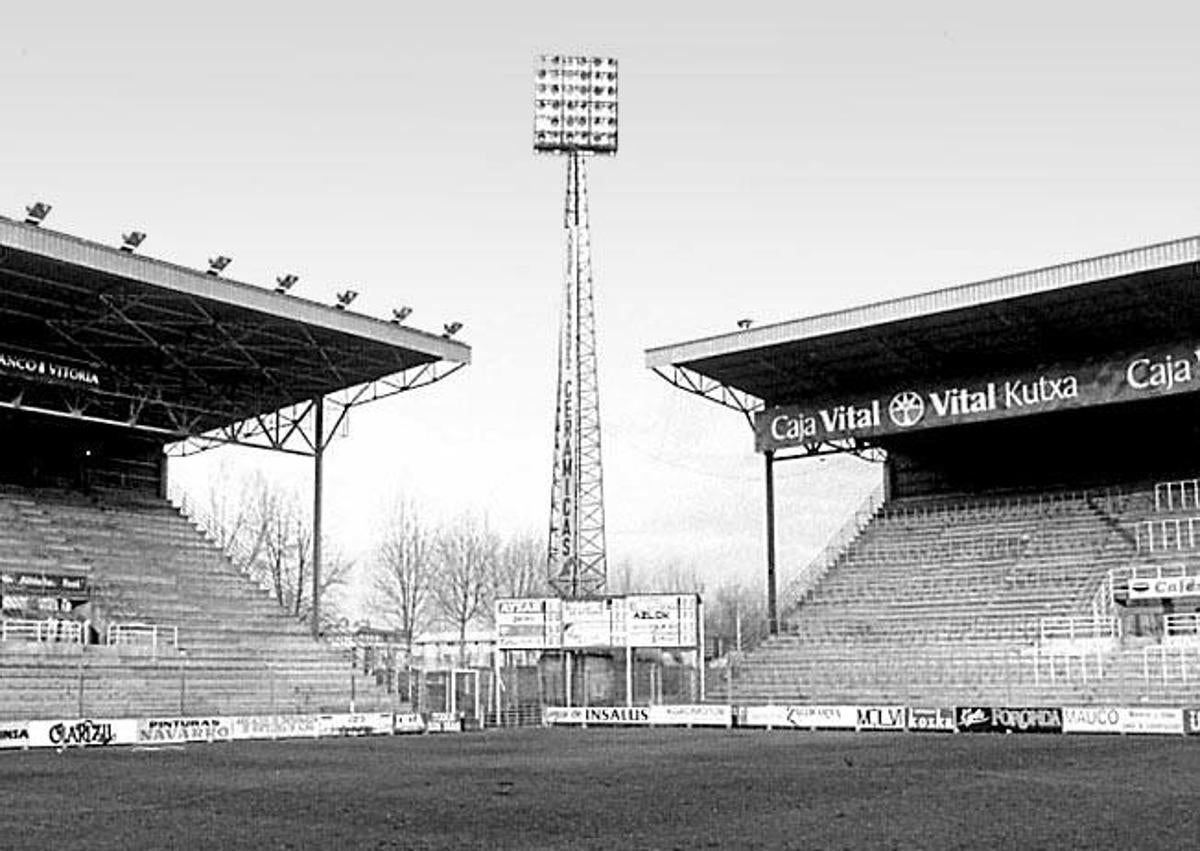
(745, 324)
(216, 265)
(36, 212)
(400, 314)
(450, 329)
(130, 241)
(345, 299)
(575, 105)
(283, 283)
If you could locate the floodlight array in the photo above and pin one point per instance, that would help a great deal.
(575, 104)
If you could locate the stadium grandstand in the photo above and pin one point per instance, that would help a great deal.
(113, 602)
(1034, 537)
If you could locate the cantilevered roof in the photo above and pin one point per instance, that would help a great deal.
(1040, 316)
(96, 332)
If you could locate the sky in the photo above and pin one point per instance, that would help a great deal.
(776, 160)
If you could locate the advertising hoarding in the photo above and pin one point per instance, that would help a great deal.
(1163, 370)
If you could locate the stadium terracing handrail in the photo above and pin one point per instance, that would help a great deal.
(808, 576)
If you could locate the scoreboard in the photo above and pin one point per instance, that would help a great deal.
(636, 620)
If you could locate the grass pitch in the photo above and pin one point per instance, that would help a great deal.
(613, 789)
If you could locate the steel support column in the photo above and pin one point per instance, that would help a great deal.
(318, 464)
(772, 611)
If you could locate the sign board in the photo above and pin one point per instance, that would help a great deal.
(36, 584)
(408, 722)
(800, 717)
(528, 623)
(13, 735)
(1139, 721)
(1191, 721)
(354, 724)
(931, 719)
(881, 717)
(692, 715)
(1164, 587)
(1093, 719)
(1009, 719)
(588, 623)
(82, 733)
(661, 620)
(179, 730)
(604, 715)
(636, 620)
(274, 726)
(1163, 370)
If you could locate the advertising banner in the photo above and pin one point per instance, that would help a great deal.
(354, 724)
(1146, 721)
(692, 715)
(938, 719)
(531, 623)
(444, 722)
(661, 620)
(1162, 587)
(562, 715)
(274, 726)
(178, 730)
(37, 368)
(585, 715)
(881, 717)
(636, 620)
(1093, 719)
(13, 735)
(800, 717)
(32, 584)
(1191, 721)
(82, 733)
(973, 719)
(1027, 719)
(589, 623)
(1163, 370)
(1009, 719)
(408, 722)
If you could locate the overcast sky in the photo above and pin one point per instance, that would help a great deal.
(776, 160)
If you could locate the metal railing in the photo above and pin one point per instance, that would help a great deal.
(50, 629)
(808, 576)
(144, 634)
(1179, 494)
(1174, 533)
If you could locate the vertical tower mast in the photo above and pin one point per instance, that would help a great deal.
(576, 115)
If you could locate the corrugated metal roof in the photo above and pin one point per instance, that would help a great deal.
(1133, 261)
(111, 261)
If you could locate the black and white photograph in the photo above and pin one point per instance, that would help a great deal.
(589, 426)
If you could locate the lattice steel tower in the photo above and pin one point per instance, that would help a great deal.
(576, 115)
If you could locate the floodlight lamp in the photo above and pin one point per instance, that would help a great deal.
(450, 329)
(216, 265)
(400, 314)
(345, 299)
(36, 212)
(283, 283)
(575, 98)
(130, 241)
(744, 324)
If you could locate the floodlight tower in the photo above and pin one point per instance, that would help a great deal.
(575, 115)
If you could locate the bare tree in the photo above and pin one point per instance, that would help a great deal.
(403, 573)
(466, 561)
(521, 567)
(735, 615)
(280, 555)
